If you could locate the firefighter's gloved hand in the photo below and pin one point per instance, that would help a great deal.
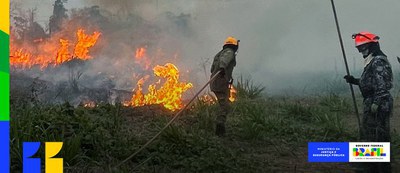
(351, 79)
(374, 108)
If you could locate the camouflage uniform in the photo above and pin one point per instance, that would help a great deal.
(375, 83)
(226, 60)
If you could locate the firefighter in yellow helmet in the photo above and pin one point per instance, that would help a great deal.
(224, 61)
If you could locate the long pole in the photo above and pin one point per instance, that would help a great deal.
(169, 123)
(347, 66)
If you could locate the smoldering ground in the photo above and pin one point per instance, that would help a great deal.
(287, 46)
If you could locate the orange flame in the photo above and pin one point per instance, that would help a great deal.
(211, 99)
(89, 104)
(140, 53)
(141, 58)
(63, 53)
(38, 40)
(169, 94)
(232, 93)
(208, 99)
(138, 97)
(43, 53)
(21, 58)
(84, 43)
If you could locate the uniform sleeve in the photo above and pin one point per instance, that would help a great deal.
(226, 58)
(215, 63)
(382, 77)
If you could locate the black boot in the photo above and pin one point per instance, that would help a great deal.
(220, 130)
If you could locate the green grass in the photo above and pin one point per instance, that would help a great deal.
(311, 120)
(246, 88)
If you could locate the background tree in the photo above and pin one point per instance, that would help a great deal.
(59, 14)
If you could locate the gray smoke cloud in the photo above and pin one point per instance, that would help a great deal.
(287, 44)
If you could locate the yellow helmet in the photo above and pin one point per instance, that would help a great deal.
(231, 40)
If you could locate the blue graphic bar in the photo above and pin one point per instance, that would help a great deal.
(328, 152)
(4, 146)
(30, 165)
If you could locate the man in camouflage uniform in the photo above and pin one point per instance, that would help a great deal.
(375, 83)
(224, 61)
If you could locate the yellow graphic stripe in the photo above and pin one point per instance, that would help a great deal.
(53, 165)
(5, 16)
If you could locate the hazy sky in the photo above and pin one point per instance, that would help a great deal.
(283, 42)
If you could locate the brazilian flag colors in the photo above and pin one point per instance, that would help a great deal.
(4, 86)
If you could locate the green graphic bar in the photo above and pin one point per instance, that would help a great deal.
(4, 77)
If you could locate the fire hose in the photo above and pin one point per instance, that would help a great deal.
(347, 66)
(170, 122)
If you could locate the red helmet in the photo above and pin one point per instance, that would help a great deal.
(365, 37)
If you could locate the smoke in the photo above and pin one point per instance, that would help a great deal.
(284, 44)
